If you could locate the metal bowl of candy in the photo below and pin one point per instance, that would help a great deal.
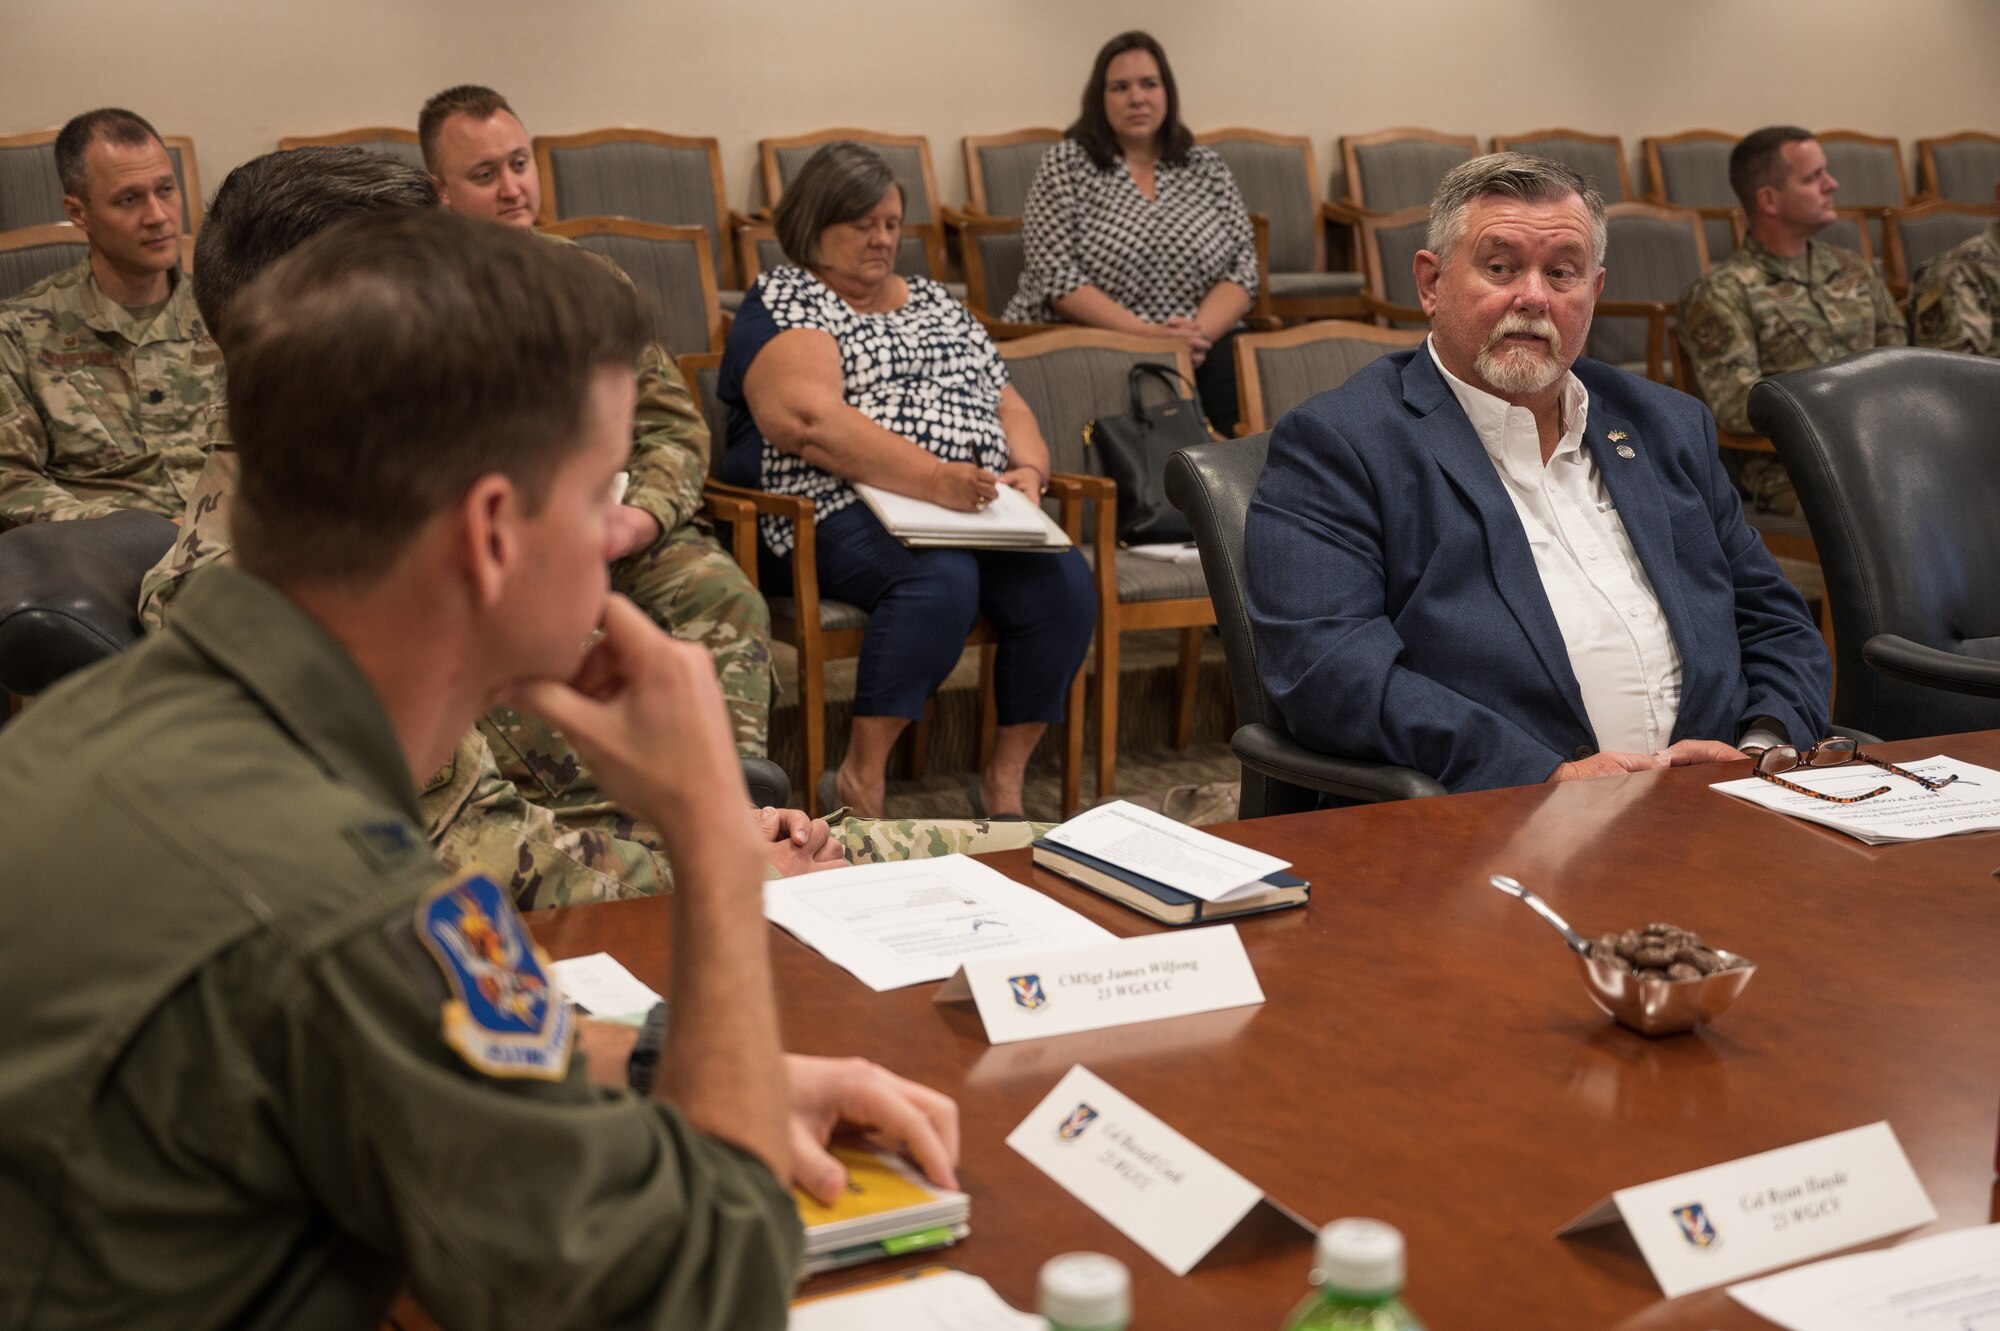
(1661, 980)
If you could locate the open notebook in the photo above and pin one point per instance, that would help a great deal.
(1010, 522)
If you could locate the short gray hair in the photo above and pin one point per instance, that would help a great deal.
(842, 182)
(1522, 176)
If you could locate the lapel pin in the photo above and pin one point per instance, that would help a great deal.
(1625, 451)
(1616, 436)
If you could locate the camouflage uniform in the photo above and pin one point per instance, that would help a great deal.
(1757, 314)
(100, 410)
(1955, 298)
(881, 840)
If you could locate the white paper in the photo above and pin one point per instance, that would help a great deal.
(1172, 552)
(601, 986)
(1156, 847)
(1145, 978)
(1711, 1226)
(1947, 1282)
(945, 1301)
(1010, 517)
(1907, 813)
(899, 924)
(1162, 1191)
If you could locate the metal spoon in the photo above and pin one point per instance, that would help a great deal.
(1577, 942)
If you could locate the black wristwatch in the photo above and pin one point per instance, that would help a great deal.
(644, 1064)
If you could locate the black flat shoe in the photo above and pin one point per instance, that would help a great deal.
(979, 807)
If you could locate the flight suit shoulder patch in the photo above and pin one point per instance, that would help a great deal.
(506, 1016)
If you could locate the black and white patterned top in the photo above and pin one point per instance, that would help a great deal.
(1157, 257)
(927, 372)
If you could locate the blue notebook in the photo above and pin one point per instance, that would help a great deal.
(1155, 899)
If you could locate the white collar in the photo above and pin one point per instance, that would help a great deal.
(1490, 416)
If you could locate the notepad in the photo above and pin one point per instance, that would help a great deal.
(1010, 522)
(887, 1210)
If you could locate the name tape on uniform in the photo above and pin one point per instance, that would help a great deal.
(1110, 984)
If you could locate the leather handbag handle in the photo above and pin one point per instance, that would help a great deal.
(1135, 380)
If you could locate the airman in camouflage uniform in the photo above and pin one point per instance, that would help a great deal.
(1761, 312)
(101, 407)
(1955, 298)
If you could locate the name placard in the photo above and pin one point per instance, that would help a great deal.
(1718, 1224)
(1111, 984)
(1159, 1189)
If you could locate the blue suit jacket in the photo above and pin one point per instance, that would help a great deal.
(1399, 615)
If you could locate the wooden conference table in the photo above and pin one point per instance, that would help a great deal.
(1427, 1054)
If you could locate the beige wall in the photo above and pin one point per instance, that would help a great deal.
(236, 74)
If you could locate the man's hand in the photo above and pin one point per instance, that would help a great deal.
(646, 714)
(795, 843)
(1608, 764)
(1694, 752)
(829, 1092)
(632, 530)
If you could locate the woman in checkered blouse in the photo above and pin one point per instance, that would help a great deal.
(1131, 226)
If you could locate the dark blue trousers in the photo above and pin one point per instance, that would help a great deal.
(922, 603)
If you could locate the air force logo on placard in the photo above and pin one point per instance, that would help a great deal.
(506, 1017)
(1696, 1227)
(1079, 1118)
(1027, 991)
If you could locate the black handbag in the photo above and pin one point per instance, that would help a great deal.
(1133, 449)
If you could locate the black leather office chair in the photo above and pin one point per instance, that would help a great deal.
(1212, 484)
(69, 593)
(1895, 454)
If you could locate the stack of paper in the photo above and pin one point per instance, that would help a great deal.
(1171, 552)
(1009, 522)
(935, 1299)
(1165, 869)
(1907, 812)
(600, 985)
(887, 1210)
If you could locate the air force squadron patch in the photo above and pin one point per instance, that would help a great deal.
(505, 1016)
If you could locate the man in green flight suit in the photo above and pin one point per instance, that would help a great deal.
(1784, 300)
(265, 1061)
(107, 373)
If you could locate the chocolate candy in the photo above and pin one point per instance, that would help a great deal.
(1660, 952)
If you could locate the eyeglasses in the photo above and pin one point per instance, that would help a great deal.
(1832, 752)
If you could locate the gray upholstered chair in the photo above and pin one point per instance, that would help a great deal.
(1871, 175)
(31, 194)
(1959, 168)
(1691, 170)
(999, 168)
(908, 156)
(666, 179)
(1212, 484)
(669, 264)
(1850, 230)
(385, 139)
(1652, 254)
(1276, 176)
(1069, 378)
(1598, 158)
(1394, 169)
(1277, 371)
(994, 254)
(33, 252)
(1907, 540)
(1389, 245)
(1921, 232)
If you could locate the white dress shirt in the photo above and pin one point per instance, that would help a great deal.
(1620, 649)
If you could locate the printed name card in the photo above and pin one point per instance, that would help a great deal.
(1162, 1191)
(1714, 1225)
(1111, 984)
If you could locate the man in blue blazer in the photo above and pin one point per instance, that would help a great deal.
(1497, 564)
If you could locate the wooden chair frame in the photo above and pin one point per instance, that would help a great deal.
(1661, 316)
(1374, 298)
(346, 136)
(190, 174)
(1894, 145)
(546, 144)
(711, 302)
(1191, 614)
(975, 171)
(1327, 218)
(1895, 261)
(1927, 186)
(1656, 188)
(1351, 162)
(1505, 143)
(51, 233)
(767, 158)
(740, 508)
(968, 227)
(1249, 375)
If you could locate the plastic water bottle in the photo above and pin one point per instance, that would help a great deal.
(1357, 1277)
(1085, 1291)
